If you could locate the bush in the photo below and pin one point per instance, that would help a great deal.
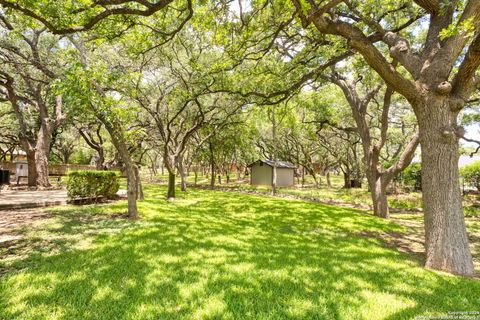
(92, 184)
(471, 174)
(412, 176)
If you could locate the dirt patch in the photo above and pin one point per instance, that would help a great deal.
(403, 242)
(18, 219)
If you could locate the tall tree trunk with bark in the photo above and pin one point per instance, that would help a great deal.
(140, 195)
(171, 185)
(446, 237)
(443, 75)
(212, 165)
(347, 183)
(183, 174)
(378, 190)
(274, 138)
(32, 167)
(116, 134)
(132, 190)
(169, 163)
(42, 148)
(100, 163)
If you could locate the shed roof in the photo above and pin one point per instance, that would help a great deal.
(278, 164)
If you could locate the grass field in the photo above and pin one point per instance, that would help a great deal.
(358, 196)
(217, 255)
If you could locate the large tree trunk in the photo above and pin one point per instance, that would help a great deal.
(130, 167)
(445, 233)
(274, 178)
(378, 191)
(132, 188)
(171, 185)
(140, 195)
(316, 179)
(212, 166)
(100, 164)
(303, 177)
(377, 183)
(41, 157)
(212, 176)
(347, 183)
(32, 168)
(183, 176)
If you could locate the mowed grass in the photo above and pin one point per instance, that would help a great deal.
(216, 255)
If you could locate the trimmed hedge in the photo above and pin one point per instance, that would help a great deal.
(412, 176)
(92, 184)
(471, 174)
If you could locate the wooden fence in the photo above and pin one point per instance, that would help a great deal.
(55, 169)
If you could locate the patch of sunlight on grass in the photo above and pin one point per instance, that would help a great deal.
(192, 291)
(299, 308)
(216, 255)
(376, 302)
(241, 268)
(103, 293)
(212, 308)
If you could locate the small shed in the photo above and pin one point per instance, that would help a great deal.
(262, 173)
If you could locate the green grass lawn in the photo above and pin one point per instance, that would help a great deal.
(357, 196)
(216, 255)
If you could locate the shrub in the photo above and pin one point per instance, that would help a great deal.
(412, 176)
(471, 174)
(92, 184)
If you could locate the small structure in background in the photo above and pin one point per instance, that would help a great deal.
(21, 170)
(262, 173)
(12, 154)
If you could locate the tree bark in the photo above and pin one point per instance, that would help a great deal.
(378, 191)
(274, 138)
(100, 164)
(212, 166)
(183, 182)
(41, 157)
(171, 185)
(347, 184)
(132, 188)
(329, 183)
(183, 174)
(303, 177)
(32, 168)
(140, 195)
(118, 141)
(445, 233)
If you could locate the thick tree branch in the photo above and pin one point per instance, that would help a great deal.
(405, 158)
(464, 82)
(370, 53)
(431, 6)
(151, 8)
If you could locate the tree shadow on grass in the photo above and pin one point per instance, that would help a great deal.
(218, 255)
